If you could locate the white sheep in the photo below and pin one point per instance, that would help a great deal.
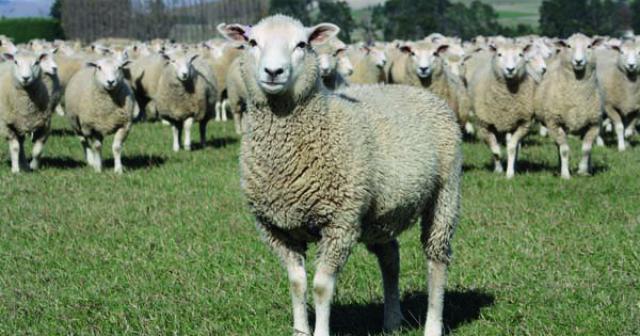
(99, 102)
(27, 97)
(334, 64)
(236, 95)
(568, 100)
(220, 56)
(309, 175)
(368, 65)
(617, 72)
(186, 93)
(502, 95)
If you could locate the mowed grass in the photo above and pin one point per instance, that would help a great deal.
(170, 248)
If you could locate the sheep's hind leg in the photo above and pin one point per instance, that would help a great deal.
(616, 118)
(632, 127)
(218, 109)
(587, 144)
(203, 133)
(118, 140)
(389, 261)
(513, 147)
(96, 148)
(492, 141)
(438, 225)
(187, 133)
(224, 108)
(334, 249)
(39, 139)
(293, 259)
(15, 147)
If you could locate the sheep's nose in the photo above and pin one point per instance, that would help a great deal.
(424, 69)
(111, 82)
(544, 70)
(511, 70)
(579, 62)
(25, 78)
(274, 72)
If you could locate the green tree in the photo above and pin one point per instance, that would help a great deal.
(56, 10)
(338, 13)
(295, 8)
(592, 17)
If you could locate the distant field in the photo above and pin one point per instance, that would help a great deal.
(514, 12)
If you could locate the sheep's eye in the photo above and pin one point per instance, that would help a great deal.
(302, 45)
(253, 43)
(589, 47)
(499, 54)
(413, 54)
(521, 54)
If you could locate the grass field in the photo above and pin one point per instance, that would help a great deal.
(513, 12)
(169, 248)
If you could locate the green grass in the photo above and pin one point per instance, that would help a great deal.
(169, 248)
(514, 12)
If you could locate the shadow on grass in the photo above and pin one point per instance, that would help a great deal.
(136, 162)
(61, 162)
(461, 307)
(215, 143)
(62, 133)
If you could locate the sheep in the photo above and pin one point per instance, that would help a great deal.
(186, 94)
(26, 100)
(421, 65)
(368, 65)
(221, 55)
(236, 95)
(145, 76)
(617, 73)
(568, 99)
(502, 96)
(335, 66)
(310, 176)
(99, 102)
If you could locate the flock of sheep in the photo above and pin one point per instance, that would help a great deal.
(330, 154)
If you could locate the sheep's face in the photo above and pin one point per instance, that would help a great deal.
(216, 49)
(108, 72)
(509, 59)
(27, 67)
(48, 64)
(345, 67)
(578, 50)
(277, 47)
(182, 64)
(536, 61)
(377, 54)
(331, 59)
(628, 56)
(425, 57)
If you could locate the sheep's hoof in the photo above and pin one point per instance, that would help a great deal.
(176, 149)
(510, 176)
(118, 171)
(566, 177)
(34, 165)
(498, 170)
(187, 148)
(393, 324)
(584, 172)
(15, 171)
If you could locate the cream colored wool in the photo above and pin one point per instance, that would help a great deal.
(236, 95)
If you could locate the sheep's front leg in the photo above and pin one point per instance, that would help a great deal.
(513, 147)
(187, 133)
(15, 147)
(39, 139)
(616, 119)
(292, 256)
(334, 249)
(389, 261)
(218, 109)
(96, 148)
(223, 109)
(587, 144)
(631, 128)
(118, 140)
(492, 141)
(177, 131)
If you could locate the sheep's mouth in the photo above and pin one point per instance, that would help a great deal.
(273, 87)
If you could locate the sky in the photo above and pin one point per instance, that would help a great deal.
(17, 8)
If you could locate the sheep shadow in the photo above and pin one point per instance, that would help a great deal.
(137, 162)
(62, 132)
(61, 162)
(215, 143)
(461, 306)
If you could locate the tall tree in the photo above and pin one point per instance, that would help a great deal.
(56, 10)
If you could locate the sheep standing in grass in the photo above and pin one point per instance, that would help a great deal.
(98, 102)
(502, 94)
(145, 76)
(221, 56)
(186, 94)
(311, 176)
(422, 65)
(27, 97)
(617, 72)
(568, 100)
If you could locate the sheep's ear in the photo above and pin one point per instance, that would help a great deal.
(340, 52)
(54, 51)
(165, 56)
(92, 65)
(441, 49)
(561, 44)
(234, 32)
(42, 57)
(597, 42)
(125, 64)
(321, 33)
(614, 47)
(193, 58)
(8, 56)
(493, 48)
(527, 49)
(406, 49)
(365, 49)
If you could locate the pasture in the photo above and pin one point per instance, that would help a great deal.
(170, 248)
(513, 12)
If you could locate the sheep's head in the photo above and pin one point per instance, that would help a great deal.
(509, 59)
(628, 53)
(108, 72)
(182, 64)
(277, 48)
(537, 64)
(578, 50)
(27, 67)
(377, 55)
(48, 64)
(425, 56)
